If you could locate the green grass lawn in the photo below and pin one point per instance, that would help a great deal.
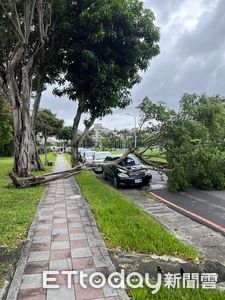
(17, 206)
(124, 225)
(5, 270)
(17, 210)
(117, 152)
(156, 155)
(176, 294)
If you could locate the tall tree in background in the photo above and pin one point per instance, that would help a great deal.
(23, 32)
(109, 42)
(65, 134)
(47, 125)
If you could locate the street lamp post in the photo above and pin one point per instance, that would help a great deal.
(135, 128)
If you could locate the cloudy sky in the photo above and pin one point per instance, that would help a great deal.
(192, 59)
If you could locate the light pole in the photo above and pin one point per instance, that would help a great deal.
(135, 128)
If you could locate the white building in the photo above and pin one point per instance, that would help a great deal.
(99, 130)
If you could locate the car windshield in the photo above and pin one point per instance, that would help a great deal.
(89, 153)
(101, 155)
(82, 151)
(131, 160)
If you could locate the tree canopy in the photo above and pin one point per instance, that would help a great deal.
(47, 125)
(65, 134)
(108, 43)
(105, 45)
(193, 142)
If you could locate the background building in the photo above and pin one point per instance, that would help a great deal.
(99, 132)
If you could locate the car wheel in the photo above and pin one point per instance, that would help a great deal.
(115, 182)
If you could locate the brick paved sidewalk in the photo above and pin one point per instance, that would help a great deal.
(65, 238)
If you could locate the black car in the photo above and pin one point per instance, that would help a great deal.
(132, 171)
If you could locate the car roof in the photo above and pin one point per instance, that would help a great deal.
(131, 155)
(103, 152)
(119, 155)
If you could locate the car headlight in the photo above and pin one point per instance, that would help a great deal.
(123, 175)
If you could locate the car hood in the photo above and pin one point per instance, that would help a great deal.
(131, 170)
(135, 168)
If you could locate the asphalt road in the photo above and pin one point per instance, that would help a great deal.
(208, 205)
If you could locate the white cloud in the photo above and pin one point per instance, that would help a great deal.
(187, 16)
(192, 59)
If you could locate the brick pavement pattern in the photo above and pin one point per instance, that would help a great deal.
(66, 238)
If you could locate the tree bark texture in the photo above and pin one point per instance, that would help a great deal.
(24, 144)
(37, 101)
(16, 79)
(46, 150)
(75, 142)
(85, 132)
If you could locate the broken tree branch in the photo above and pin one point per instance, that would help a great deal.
(153, 139)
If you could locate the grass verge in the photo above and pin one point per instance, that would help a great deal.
(124, 225)
(17, 206)
(17, 209)
(176, 294)
(156, 155)
(5, 270)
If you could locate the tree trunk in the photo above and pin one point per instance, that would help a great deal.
(24, 144)
(85, 132)
(75, 142)
(37, 100)
(16, 76)
(39, 163)
(46, 150)
(26, 158)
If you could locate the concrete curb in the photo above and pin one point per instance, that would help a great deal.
(191, 215)
(205, 240)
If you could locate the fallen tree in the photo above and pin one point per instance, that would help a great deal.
(156, 134)
(42, 179)
(192, 142)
